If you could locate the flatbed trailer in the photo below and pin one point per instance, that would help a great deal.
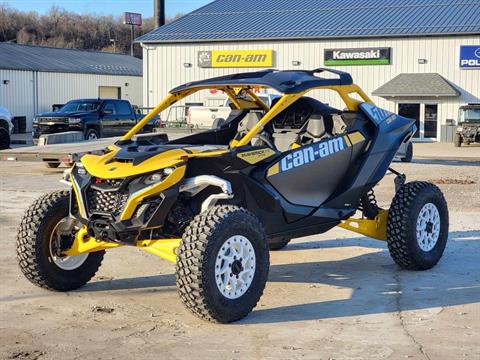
(71, 152)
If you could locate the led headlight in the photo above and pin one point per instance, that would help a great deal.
(154, 178)
(74, 120)
(81, 169)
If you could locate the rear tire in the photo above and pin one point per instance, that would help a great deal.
(52, 165)
(34, 247)
(4, 139)
(457, 140)
(417, 227)
(408, 154)
(222, 264)
(278, 243)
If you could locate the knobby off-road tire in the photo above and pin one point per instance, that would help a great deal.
(206, 241)
(457, 140)
(417, 227)
(33, 246)
(278, 243)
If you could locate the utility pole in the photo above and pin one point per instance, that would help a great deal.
(132, 36)
(159, 12)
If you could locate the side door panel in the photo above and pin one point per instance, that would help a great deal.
(110, 122)
(310, 174)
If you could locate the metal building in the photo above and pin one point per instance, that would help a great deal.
(34, 78)
(418, 57)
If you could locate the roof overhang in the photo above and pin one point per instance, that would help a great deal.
(417, 85)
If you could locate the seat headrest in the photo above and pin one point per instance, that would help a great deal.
(316, 126)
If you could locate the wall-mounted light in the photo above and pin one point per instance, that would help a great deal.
(187, 65)
(6, 82)
(127, 84)
(422, 61)
(296, 63)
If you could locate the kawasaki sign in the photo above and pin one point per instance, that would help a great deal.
(366, 56)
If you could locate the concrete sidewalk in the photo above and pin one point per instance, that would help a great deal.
(446, 151)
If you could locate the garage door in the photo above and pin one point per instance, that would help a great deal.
(109, 92)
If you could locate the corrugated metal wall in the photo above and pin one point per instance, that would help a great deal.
(164, 65)
(30, 93)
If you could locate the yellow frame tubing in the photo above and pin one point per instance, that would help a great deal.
(83, 243)
(257, 100)
(376, 228)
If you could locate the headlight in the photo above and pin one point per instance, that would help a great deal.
(459, 128)
(74, 120)
(158, 176)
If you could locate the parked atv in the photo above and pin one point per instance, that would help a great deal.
(215, 202)
(468, 129)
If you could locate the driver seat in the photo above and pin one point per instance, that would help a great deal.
(318, 127)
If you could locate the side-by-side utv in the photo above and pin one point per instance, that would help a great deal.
(215, 202)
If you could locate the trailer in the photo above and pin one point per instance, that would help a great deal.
(56, 154)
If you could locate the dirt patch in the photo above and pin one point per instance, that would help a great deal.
(450, 181)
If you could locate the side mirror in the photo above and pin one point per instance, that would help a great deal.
(107, 112)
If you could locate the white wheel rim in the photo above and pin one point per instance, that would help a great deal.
(68, 263)
(235, 267)
(428, 227)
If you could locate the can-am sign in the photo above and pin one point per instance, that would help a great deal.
(470, 56)
(365, 56)
(235, 58)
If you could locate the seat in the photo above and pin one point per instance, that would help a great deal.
(317, 128)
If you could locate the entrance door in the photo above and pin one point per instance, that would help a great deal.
(109, 92)
(430, 125)
(411, 111)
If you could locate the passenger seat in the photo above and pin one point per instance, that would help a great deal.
(317, 128)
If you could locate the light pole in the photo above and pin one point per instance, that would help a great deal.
(114, 42)
(132, 19)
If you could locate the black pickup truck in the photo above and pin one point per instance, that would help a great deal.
(94, 117)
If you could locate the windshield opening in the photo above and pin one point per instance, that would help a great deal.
(470, 115)
(84, 106)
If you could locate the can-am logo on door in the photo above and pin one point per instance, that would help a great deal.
(365, 56)
(470, 56)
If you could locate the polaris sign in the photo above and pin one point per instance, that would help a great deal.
(366, 56)
(470, 57)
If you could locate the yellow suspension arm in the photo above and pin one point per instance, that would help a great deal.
(376, 228)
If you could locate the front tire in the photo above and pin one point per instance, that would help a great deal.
(457, 140)
(4, 139)
(35, 241)
(417, 227)
(222, 264)
(91, 134)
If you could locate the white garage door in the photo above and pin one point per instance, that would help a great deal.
(109, 92)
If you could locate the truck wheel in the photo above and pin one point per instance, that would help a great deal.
(417, 227)
(91, 134)
(457, 140)
(408, 154)
(278, 243)
(4, 139)
(222, 264)
(44, 227)
(52, 165)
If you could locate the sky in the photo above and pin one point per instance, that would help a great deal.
(106, 7)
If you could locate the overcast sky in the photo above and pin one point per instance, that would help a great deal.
(107, 7)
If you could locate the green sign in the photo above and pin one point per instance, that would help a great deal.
(365, 56)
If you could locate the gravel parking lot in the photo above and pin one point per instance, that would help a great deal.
(331, 296)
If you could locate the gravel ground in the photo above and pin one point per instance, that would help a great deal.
(331, 296)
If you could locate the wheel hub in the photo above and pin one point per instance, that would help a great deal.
(235, 267)
(428, 227)
(61, 239)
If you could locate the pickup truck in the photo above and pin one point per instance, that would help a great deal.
(6, 128)
(203, 117)
(96, 118)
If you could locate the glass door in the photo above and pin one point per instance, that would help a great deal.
(411, 111)
(430, 124)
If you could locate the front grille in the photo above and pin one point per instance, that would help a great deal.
(100, 198)
(57, 120)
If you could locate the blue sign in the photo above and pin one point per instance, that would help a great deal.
(470, 56)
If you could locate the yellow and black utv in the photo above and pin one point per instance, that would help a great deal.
(214, 202)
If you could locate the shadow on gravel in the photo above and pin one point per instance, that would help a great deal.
(377, 284)
(131, 283)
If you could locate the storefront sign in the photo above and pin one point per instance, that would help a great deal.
(470, 57)
(235, 58)
(366, 56)
(132, 19)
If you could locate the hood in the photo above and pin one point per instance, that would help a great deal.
(134, 160)
(58, 114)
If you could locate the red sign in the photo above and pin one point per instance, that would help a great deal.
(132, 19)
